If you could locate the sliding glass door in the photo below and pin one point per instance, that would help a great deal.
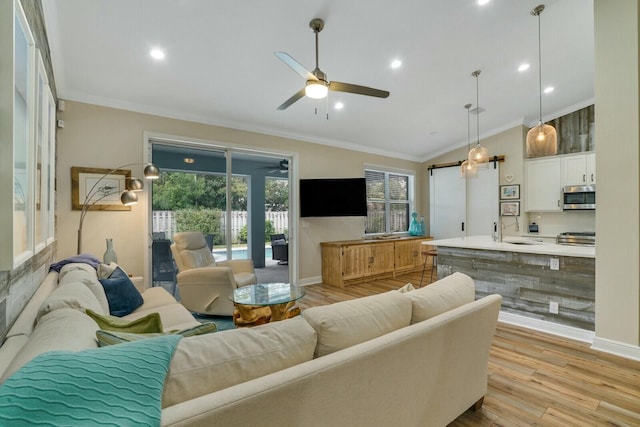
(237, 199)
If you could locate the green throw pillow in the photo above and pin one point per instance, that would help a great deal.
(151, 323)
(116, 337)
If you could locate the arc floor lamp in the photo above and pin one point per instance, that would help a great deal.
(127, 198)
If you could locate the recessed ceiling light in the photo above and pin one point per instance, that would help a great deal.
(523, 67)
(338, 106)
(189, 160)
(156, 54)
(548, 89)
(396, 63)
(483, 2)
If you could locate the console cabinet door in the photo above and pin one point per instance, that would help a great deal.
(408, 255)
(355, 261)
(380, 258)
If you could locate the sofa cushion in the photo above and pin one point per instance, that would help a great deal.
(70, 295)
(172, 315)
(443, 295)
(116, 337)
(212, 362)
(89, 280)
(62, 329)
(155, 297)
(347, 323)
(151, 323)
(122, 294)
(77, 266)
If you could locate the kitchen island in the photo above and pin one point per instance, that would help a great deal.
(524, 272)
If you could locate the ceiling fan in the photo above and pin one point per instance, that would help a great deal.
(317, 85)
(282, 167)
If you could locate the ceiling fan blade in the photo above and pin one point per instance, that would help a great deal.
(295, 65)
(299, 94)
(359, 90)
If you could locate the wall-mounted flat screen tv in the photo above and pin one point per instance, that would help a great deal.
(333, 197)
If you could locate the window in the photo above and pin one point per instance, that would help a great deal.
(389, 201)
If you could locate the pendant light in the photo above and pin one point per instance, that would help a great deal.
(468, 168)
(542, 140)
(479, 154)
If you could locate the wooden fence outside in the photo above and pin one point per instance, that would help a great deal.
(165, 222)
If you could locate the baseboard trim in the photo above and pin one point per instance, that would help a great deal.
(549, 327)
(615, 347)
(310, 281)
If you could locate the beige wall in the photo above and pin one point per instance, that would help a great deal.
(102, 137)
(617, 150)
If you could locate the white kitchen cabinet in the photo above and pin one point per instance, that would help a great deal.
(579, 169)
(544, 185)
(591, 168)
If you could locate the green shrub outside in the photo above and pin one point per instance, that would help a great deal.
(269, 229)
(204, 220)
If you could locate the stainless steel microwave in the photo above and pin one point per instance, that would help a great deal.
(579, 197)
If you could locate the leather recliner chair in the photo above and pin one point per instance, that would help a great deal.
(204, 284)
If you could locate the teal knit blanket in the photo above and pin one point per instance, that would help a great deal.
(118, 385)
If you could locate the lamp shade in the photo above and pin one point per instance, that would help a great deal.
(542, 140)
(316, 89)
(135, 184)
(151, 171)
(469, 169)
(129, 198)
(480, 155)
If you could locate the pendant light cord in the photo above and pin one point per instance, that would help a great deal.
(477, 73)
(540, 66)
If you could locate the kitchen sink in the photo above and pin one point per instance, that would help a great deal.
(521, 241)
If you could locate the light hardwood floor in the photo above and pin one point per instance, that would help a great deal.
(534, 379)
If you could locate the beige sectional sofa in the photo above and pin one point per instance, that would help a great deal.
(415, 358)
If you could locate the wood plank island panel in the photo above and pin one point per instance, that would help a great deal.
(527, 284)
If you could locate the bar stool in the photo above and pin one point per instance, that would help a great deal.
(426, 253)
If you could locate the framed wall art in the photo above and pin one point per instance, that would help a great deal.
(99, 189)
(510, 192)
(509, 208)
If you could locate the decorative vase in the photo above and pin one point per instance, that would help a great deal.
(110, 255)
(414, 227)
(422, 230)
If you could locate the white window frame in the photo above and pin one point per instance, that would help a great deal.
(387, 202)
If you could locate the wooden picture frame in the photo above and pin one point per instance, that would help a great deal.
(510, 208)
(104, 185)
(510, 192)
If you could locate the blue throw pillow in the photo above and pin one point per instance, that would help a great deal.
(122, 295)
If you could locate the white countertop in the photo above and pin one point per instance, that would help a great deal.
(510, 244)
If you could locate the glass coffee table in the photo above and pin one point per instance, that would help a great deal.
(265, 302)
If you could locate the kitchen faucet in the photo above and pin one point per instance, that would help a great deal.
(517, 228)
(498, 226)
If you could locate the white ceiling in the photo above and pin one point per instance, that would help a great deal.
(220, 67)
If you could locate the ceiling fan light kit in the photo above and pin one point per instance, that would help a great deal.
(317, 86)
(316, 89)
(542, 140)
